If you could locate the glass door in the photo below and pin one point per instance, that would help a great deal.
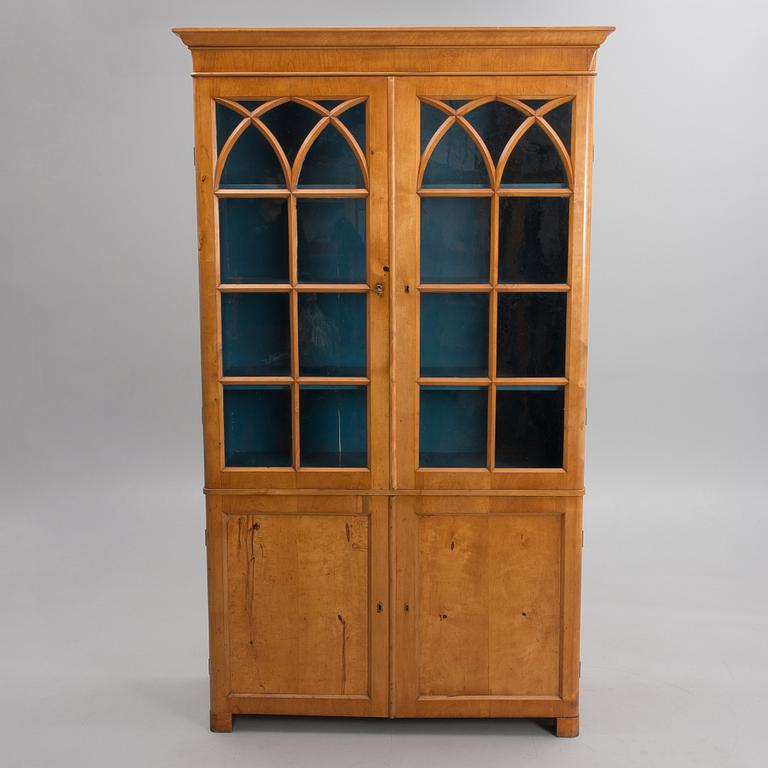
(490, 285)
(297, 382)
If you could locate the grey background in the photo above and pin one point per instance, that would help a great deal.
(103, 644)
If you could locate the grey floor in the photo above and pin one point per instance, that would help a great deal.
(104, 645)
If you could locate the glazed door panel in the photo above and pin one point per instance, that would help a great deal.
(293, 206)
(490, 287)
(485, 606)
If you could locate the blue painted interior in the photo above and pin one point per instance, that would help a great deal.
(454, 334)
(533, 239)
(257, 426)
(431, 120)
(455, 235)
(534, 161)
(333, 426)
(253, 240)
(453, 426)
(530, 426)
(255, 329)
(331, 240)
(354, 121)
(495, 122)
(332, 334)
(290, 123)
(330, 162)
(456, 161)
(560, 119)
(531, 334)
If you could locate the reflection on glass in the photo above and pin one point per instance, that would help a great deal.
(330, 162)
(454, 334)
(455, 235)
(332, 334)
(333, 431)
(257, 426)
(453, 426)
(456, 162)
(531, 334)
(534, 162)
(331, 240)
(253, 240)
(495, 121)
(533, 239)
(255, 330)
(529, 427)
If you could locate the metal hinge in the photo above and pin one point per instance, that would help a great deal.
(579, 668)
(194, 156)
(209, 666)
(582, 538)
(586, 416)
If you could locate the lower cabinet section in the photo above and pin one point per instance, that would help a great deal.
(481, 592)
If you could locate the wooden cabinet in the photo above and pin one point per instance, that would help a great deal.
(393, 249)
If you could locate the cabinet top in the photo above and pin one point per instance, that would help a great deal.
(396, 50)
(218, 37)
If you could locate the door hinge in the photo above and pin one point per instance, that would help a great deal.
(194, 156)
(582, 538)
(579, 668)
(209, 666)
(586, 416)
(206, 537)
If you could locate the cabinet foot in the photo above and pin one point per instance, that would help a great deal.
(567, 727)
(221, 722)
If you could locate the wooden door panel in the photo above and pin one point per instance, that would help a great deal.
(486, 601)
(490, 584)
(298, 607)
(301, 586)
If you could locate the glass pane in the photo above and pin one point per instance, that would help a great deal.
(456, 103)
(495, 122)
(253, 240)
(290, 123)
(456, 162)
(534, 162)
(431, 120)
(255, 330)
(453, 426)
(533, 239)
(455, 234)
(252, 163)
(331, 240)
(332, 334)
(227, 120)
(354, 121)
(531, 335)
(535, 103)
(333, 429)
(454, 334)
(529, 426)
(257, 426)
(560, 119)
(330, 162)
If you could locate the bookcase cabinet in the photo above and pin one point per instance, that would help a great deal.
(393, 253)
